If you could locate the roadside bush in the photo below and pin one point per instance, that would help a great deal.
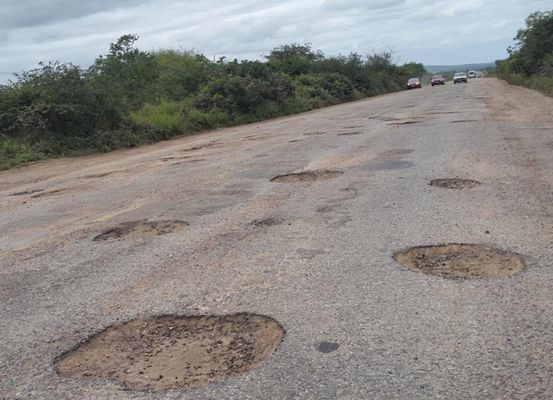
(530, 61)
(130, 97)
(165, 116)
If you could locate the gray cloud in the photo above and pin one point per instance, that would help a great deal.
(30, 13)
(429, 31)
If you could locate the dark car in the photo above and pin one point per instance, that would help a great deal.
(414, 83)
(437, 80)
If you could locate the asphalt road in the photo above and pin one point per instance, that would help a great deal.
(323, 267)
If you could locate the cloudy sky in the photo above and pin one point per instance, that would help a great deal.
(427, 31)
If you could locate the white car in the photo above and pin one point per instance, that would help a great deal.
(472, 74)
(460, 77)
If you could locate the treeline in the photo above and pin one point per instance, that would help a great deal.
(530, 61)
(130, 97)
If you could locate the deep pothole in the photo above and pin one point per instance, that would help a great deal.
(307, 176)
(170, 352)
(455, 183)
(461, 261)
(138, 229)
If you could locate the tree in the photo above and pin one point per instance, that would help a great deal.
(293, 59)
(533, 49)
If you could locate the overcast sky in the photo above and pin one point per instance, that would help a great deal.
(427, 31)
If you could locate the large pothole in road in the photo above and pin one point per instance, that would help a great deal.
(140, 229)
(308, 176)
(175, 352)
(455, 183)
(461, 261)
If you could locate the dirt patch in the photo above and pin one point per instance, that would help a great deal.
(170, 352)
(455, 183)
(349, 133)
(266, 222)
(308, 176)
(140, 229)
(461, 261)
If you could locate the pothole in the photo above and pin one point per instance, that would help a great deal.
(314, 133)
(461, 261)
(136, 229)
(308, 176)
(200, 147)
(398, 152)
(350, 133)
(405, 122)
(455, 183)
(49, 193)
(100, 175)
(266, 222)
(381, 165)
(27, 192)
(171, 352)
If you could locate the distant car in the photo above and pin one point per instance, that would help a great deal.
(472, 74)
(460, 77)
(437, 80)
(414, 83)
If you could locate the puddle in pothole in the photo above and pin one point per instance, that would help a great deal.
(455, 183)
(387, 165)
(170, 352)
(307, 176)
(327, 347)
(461, 261)
(140, 229)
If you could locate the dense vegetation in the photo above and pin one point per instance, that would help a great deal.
(129, 97)
(530, 61)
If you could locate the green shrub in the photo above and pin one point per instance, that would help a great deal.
(130, 97)
(164, 116)
(17, 151)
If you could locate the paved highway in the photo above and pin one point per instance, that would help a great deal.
(314, 252)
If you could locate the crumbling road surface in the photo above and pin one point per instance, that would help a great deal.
(298, 232)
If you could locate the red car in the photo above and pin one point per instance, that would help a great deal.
(414, 83)
(437, 80)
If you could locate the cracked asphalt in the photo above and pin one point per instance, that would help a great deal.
(314, 255)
